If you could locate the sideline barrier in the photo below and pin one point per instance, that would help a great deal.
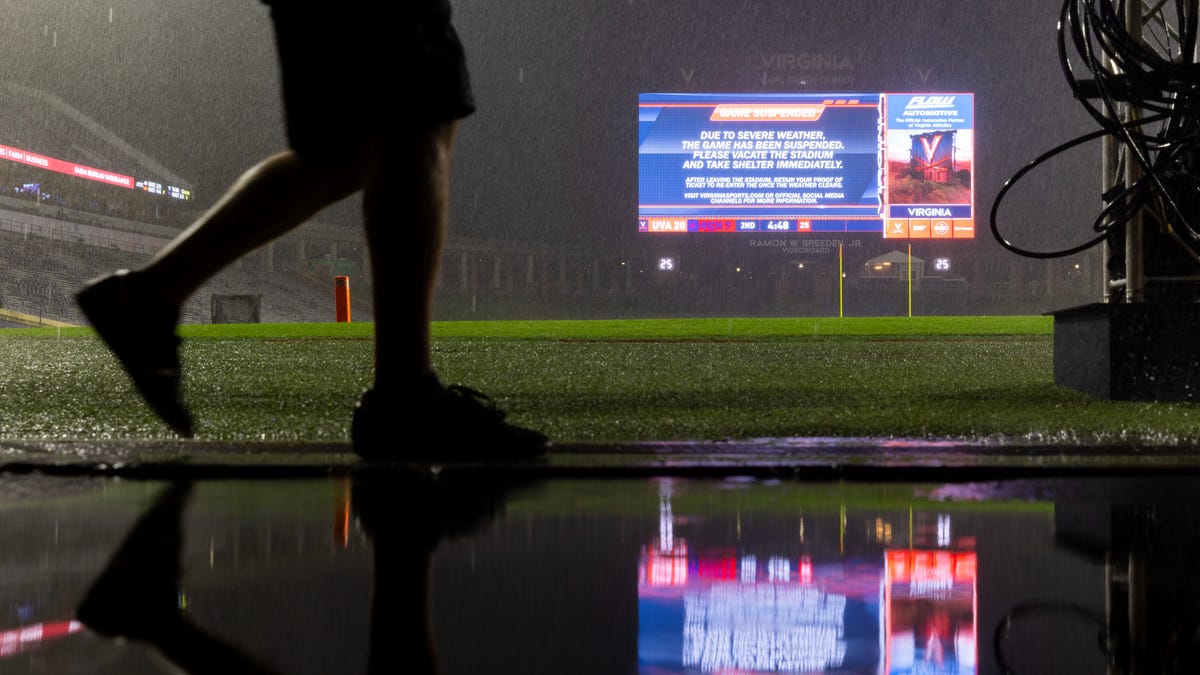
(31, 320)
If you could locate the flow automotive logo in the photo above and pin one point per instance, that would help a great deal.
(930, 103)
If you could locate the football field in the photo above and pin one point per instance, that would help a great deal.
(966, 378)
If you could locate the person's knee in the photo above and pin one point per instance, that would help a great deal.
(427, 148)
(345, 166)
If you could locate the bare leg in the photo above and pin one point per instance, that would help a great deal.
(406, 516)
(402, 637)
(136, 314)
(267, 201)
(135, 596)
(405, 205)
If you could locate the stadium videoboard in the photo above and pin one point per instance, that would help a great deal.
(897, 164)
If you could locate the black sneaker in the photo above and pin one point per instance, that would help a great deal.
(140, 331)
(414, 512)
(450, 424)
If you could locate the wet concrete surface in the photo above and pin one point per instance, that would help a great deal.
(804, 458)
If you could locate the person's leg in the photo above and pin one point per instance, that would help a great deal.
(406, 201)
(267, 201)
(405, 516)
(135, 597)
(136, 313)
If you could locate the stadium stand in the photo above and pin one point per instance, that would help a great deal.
(57, 230)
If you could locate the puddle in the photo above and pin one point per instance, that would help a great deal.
(610, 576)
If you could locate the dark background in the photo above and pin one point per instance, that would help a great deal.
(551, 154)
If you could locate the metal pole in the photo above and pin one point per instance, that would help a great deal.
(1135, 271)
(1108, 171)
(841, 309)
(910, 281)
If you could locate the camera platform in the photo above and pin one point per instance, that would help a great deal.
(1129, 351)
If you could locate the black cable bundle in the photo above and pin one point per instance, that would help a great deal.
(1155, 75)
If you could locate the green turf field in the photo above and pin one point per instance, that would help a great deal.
(703, 379)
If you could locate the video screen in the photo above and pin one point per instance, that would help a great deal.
(897, 164)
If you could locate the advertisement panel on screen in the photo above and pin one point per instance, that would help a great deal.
(930, 612)
(41, 161)
(897, 164)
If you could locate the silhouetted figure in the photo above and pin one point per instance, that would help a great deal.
(406, 519)
(136, 596)
(372, 94)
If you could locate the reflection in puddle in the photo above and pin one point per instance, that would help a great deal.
(734, 609)
(608, 576)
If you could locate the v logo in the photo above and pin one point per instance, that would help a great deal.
(930, 145)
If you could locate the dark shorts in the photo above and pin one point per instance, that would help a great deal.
(358, 70)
